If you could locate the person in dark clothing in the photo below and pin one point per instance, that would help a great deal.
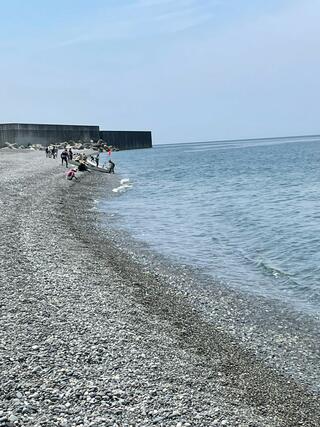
(70, 154)
(64, 157)
(111, 166)
(97, 159)
(82, 167)
(47, 152)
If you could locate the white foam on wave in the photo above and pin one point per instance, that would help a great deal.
(125, 181)
(125, 184)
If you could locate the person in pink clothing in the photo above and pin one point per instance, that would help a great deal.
(71, 174)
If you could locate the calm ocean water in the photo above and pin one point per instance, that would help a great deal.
(246, 212)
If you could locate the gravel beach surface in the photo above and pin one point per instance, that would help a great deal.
(96, 331)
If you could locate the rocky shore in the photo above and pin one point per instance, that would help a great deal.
(95, 332)
(99, 145)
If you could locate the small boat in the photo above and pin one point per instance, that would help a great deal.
(91, 166)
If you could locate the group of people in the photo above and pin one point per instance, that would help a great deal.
(66, 155)
(81, 158)
(96, 159)
(71, 173)
(52, 152)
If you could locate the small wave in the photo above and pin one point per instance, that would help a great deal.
(275, 272)
(125, 184)
(268, 269)
(125, 181)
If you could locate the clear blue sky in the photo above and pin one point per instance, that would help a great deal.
(189, 70)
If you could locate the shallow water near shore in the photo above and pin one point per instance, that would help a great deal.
(245, 212)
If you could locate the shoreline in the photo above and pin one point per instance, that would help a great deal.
(280, 335)
(84, 315)
(285, 337)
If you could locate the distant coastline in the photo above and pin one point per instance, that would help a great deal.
(271, 138)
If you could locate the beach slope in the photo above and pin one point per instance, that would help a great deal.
(90, 337)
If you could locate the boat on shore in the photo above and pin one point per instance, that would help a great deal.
(90, 166)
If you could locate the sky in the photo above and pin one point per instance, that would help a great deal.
(189, 70)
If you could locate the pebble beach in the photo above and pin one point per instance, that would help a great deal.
(96, 331)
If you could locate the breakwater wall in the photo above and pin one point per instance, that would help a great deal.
(23, 134)
(127, 140)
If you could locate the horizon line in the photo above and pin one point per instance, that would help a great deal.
(243, 139)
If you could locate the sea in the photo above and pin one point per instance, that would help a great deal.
(246, 212)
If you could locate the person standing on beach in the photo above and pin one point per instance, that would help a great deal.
(64, 157)
(70, 154)
(111, 166)
(97, 159)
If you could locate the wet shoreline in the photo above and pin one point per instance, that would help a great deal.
(283, 337)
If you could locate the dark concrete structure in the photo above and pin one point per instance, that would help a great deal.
(44, 134)
(24, 134)
(127, 140)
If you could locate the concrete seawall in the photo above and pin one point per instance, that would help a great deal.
(46, 134)
(24, 134)
(127, 140)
